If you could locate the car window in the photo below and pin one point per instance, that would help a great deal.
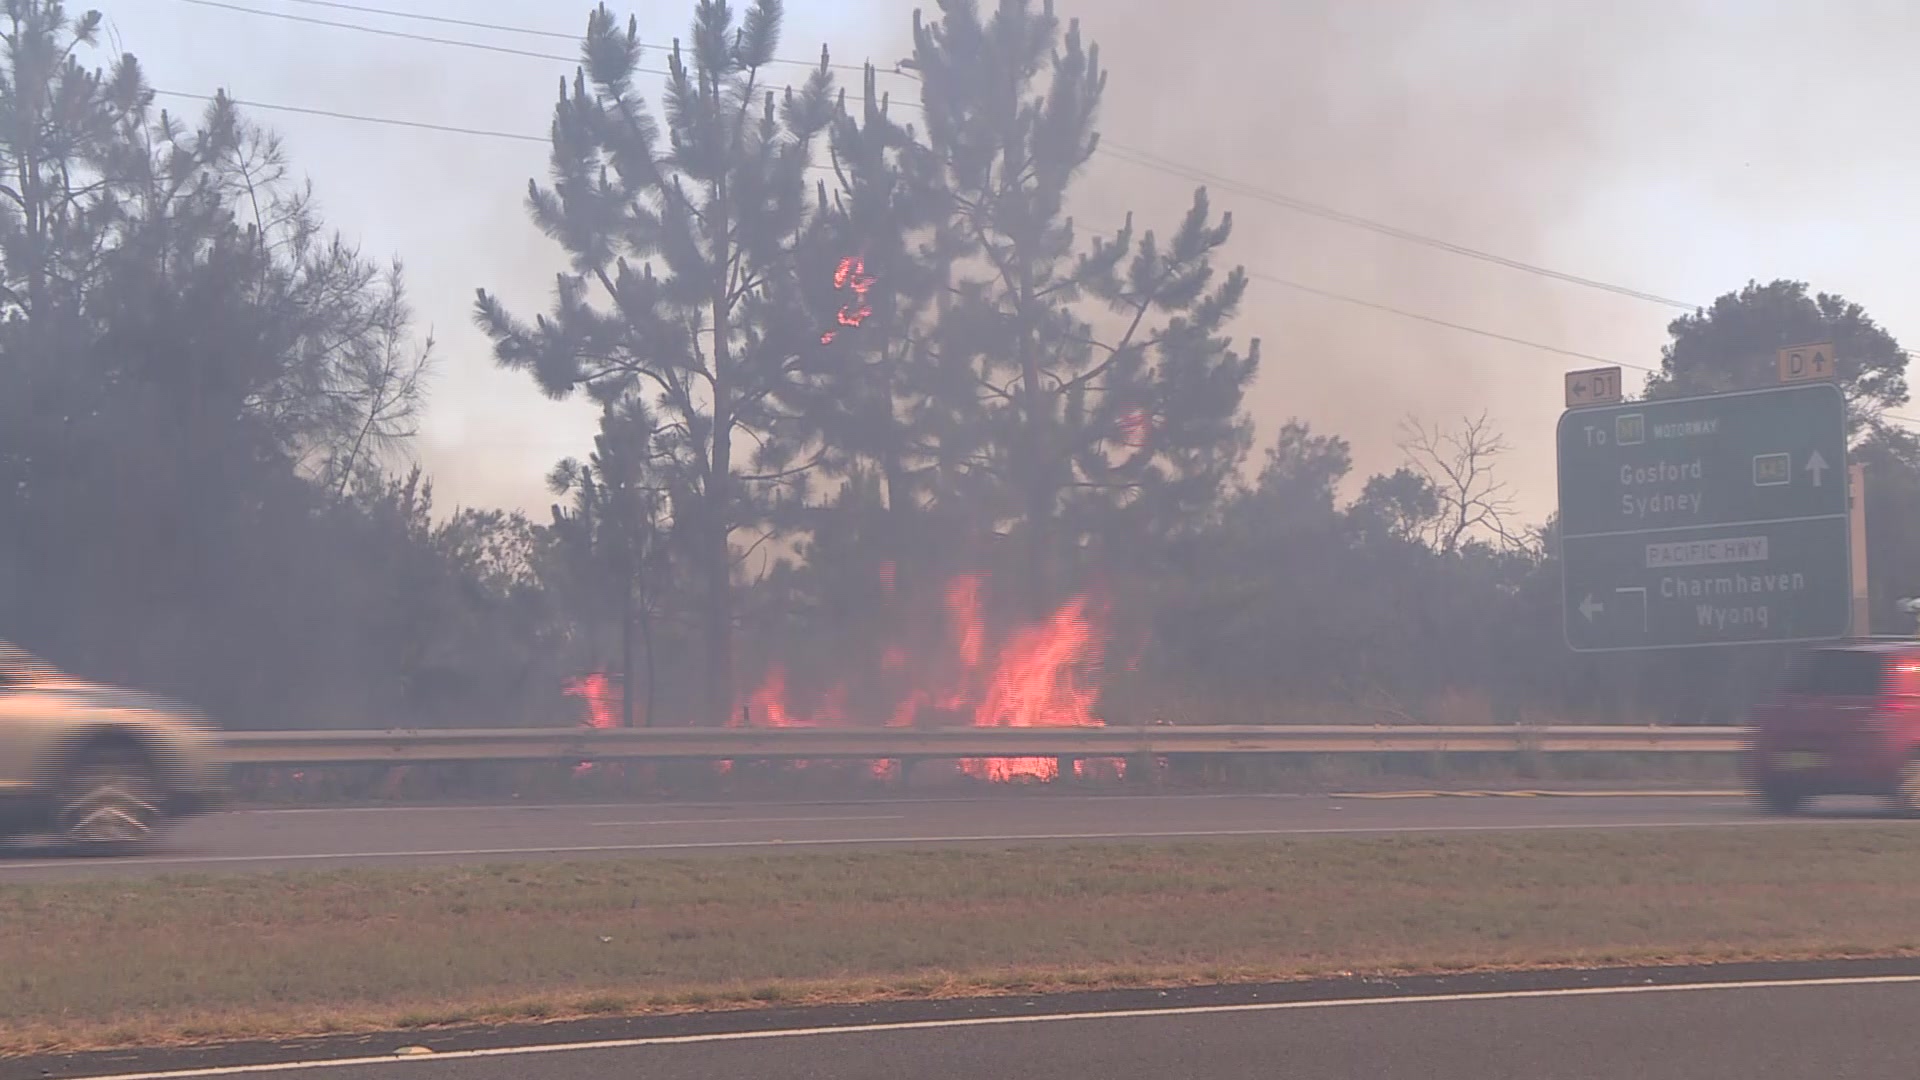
(1847, 672)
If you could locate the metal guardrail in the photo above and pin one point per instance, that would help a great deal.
(631, 744)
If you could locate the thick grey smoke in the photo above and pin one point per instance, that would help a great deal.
(1483, 123)
(1677, 147)
(1639, 142)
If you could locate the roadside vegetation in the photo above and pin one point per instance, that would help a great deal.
(205, 958)
(849, 351)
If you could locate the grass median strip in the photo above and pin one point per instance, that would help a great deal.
(203, 958)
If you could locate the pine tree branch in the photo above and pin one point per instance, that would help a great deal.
(782, 474)
(1003, 393)
(1144, 304)
(970, 212)
(680, 396)
(696, 333)
(834, 163)
(745, 287)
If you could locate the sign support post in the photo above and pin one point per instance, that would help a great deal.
(1857, 555)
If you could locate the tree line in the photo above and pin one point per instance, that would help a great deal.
(846, 351)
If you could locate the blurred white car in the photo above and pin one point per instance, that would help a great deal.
(95, 764)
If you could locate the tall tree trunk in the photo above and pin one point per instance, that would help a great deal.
(893, 471)
(646, 647)
(719, 587)
(719, 557)
(626, 652)
(1041, 468)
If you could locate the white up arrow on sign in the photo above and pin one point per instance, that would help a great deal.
(1816, 467)
(1589, 608)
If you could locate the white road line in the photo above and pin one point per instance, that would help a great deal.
(1002, 1021)
(743, 820)
(1536, 794)
(870, 841)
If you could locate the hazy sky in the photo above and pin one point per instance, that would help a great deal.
(1678, 148)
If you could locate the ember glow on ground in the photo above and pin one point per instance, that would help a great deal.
(123, 962)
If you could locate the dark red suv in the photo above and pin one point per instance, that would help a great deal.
(1844, 721)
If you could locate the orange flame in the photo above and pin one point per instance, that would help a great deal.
(603, 704)
(963, 605)
(1136, 426)
(1036, 680)
(768, 704)
(603, 701)
(1035, 685)
(852, 272)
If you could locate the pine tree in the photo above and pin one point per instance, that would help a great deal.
(1733, 345)
(877, 280)
(1111, 392)
(62, 121)
(188, 363)
(614, 539)
(682, 287)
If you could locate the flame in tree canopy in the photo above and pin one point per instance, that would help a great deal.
(850, 275)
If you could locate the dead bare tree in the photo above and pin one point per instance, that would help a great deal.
(1459, 465)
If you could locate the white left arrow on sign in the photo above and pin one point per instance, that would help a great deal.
(1590, 607)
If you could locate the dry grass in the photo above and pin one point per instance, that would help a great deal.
(202, 958)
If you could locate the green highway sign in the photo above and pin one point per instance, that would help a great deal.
(1718, 520)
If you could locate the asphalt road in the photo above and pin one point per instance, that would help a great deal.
(289, 839)
(1779, 1032)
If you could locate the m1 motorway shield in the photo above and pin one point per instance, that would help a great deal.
(1703, 521)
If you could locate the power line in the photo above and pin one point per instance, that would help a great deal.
(389, 121)
(1274, 279)
(1493, 334)
(360, 118)
(1131, 155)
(1258, 275)
(1435, 321)
(444, 20)
(503, 50)
(1113, 148)
(1147, 159)
(441, 19)
(1120, 151)
(429, 39)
